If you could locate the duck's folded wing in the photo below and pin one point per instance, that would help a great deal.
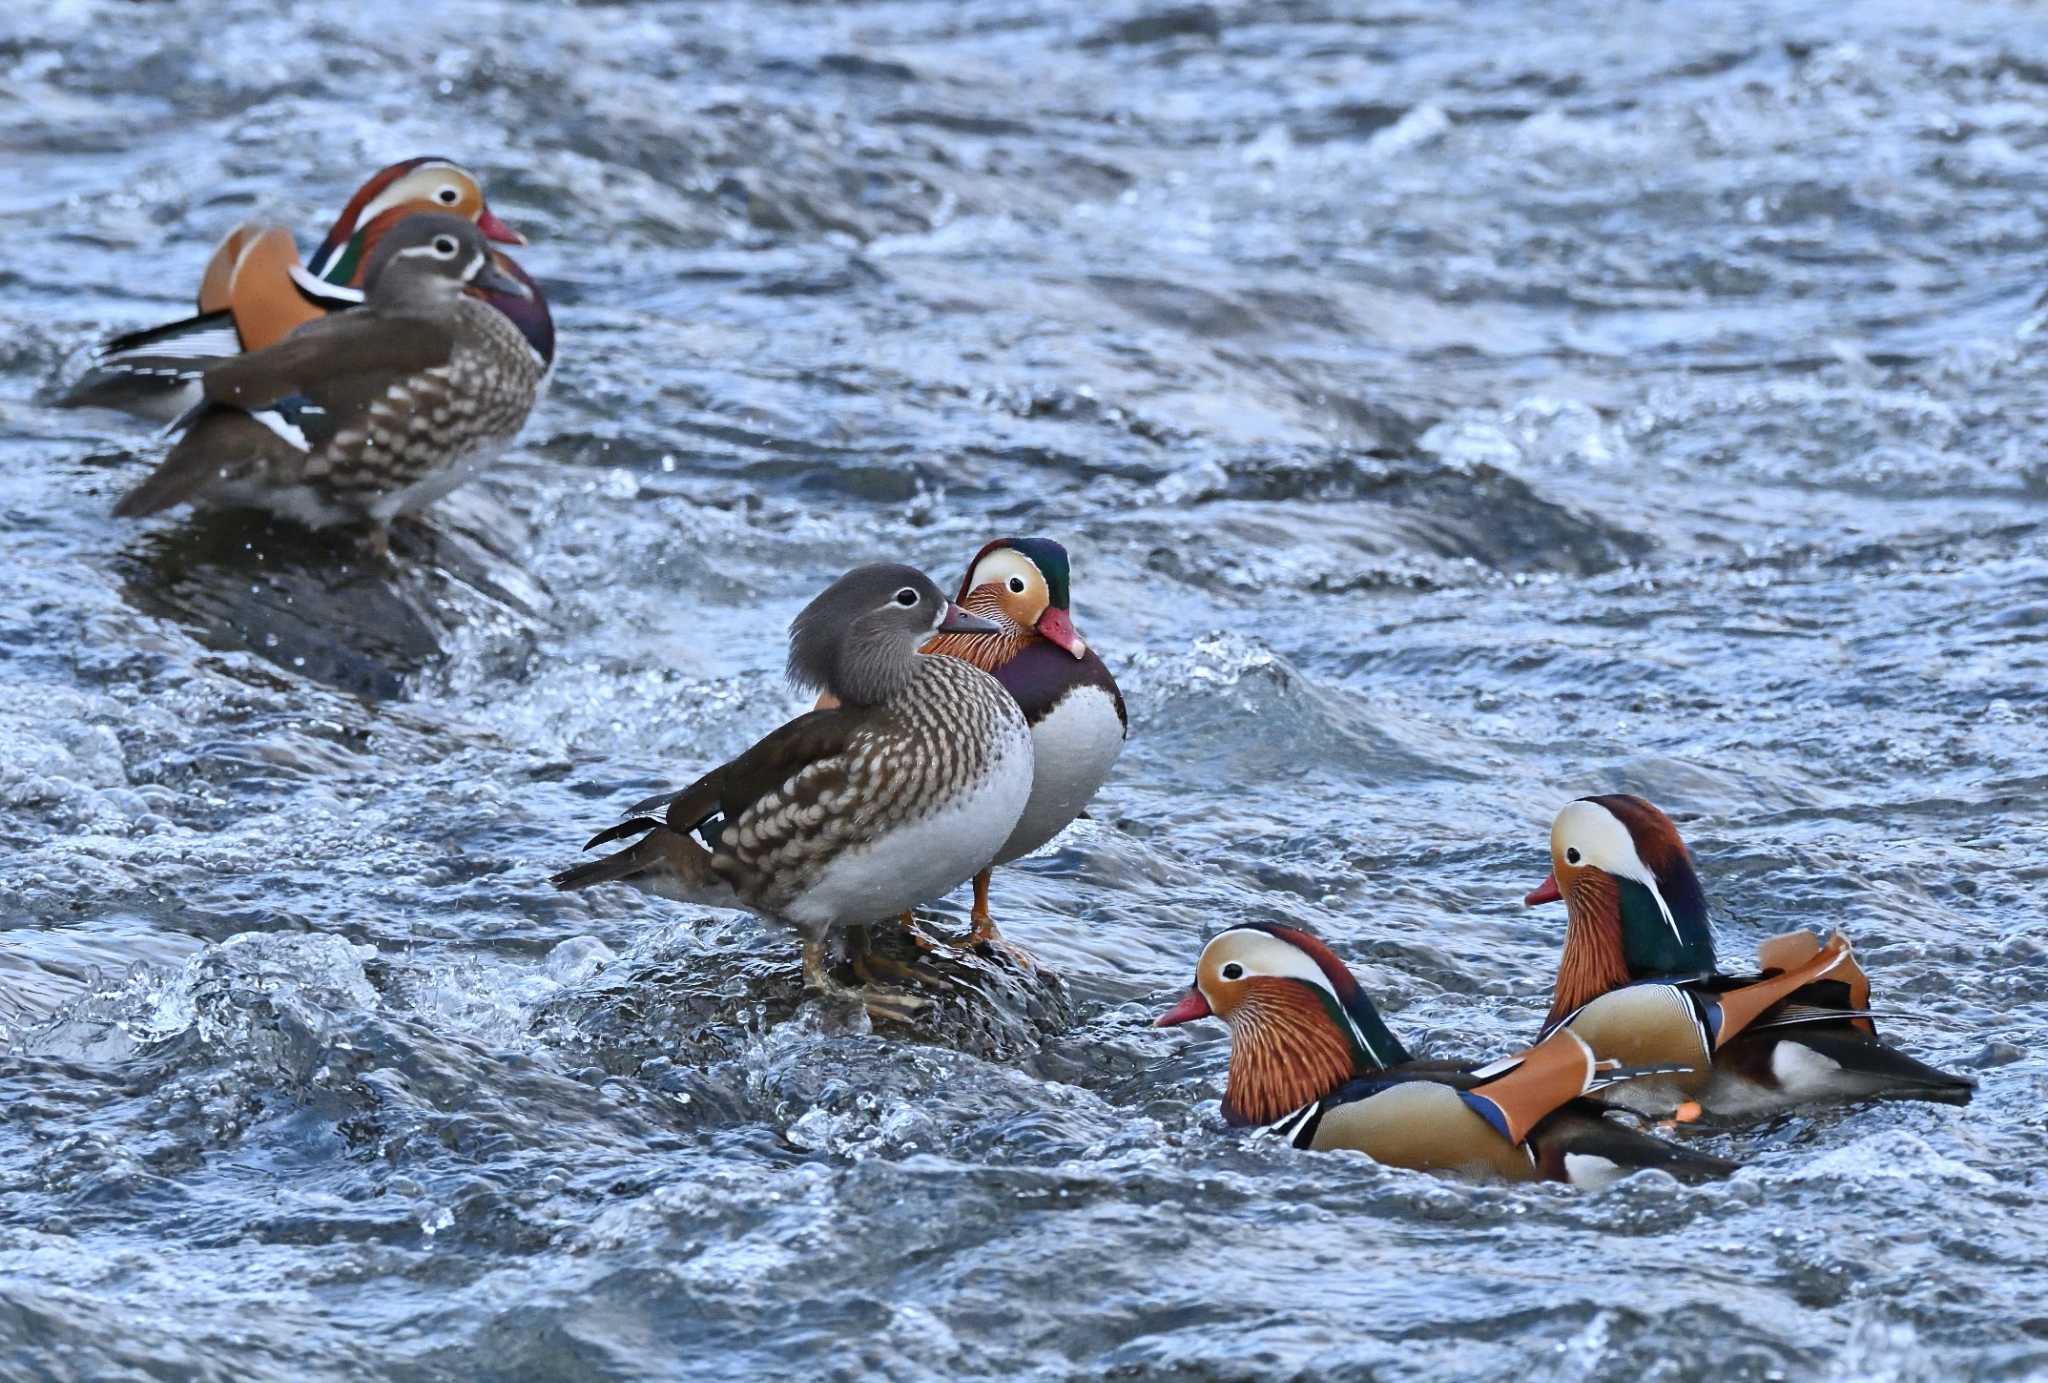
(1735, 1009)
(1551, 1074)
(1844, 996)
(218, 445)
(731, 788)
(1841, 1062)
(356, 354)
(810, 743)
(1579, 1146)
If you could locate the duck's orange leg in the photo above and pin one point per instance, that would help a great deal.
(984, 936)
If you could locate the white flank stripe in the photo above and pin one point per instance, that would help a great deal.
(282, 426)
(1288, 1126)
(1591, 1171)
(1499, 1068)
(1800, 1069)
(320, 290)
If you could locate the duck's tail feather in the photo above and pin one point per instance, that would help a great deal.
(218, 444)
(662, 861)
(1582, 1148)
(1868, 1069)
(155, 373)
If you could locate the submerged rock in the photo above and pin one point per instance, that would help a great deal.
(705, 993)
(321, 605)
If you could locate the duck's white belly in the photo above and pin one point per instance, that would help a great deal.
(1073, 748)
(302, 504)
(926, 858)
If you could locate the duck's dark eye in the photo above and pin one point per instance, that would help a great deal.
(1016, 585)
(448, 196)
(906, 597)
(1571, 856)
(444, 246)
(1233, 971)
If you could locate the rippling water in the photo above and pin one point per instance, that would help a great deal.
(1453, 409)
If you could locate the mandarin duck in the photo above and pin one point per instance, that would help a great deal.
(1638, 981)
(1076, 714)
(850, 814)
(1311, 1060)
(255, 290)
(366, 414)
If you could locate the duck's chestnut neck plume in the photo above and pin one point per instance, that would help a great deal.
(986, 651)
(1636, 909)
(1594, 960)
(1293, 1041)
(1285, 1052)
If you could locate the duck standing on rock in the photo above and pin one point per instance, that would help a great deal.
(367, 414)
(1311, 1059)
(851, 814)
(1638, 981)
(256, 291)
(1077, 718)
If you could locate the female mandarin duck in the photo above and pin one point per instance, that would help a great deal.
(899, 791)
(1638, 981)
(368, 414)
(1076, 714)
(1311, 1060)
(255, 291)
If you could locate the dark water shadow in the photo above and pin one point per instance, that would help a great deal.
(320, 603)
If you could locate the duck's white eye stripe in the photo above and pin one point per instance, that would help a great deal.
(1005, 567)
(1265, 954)
(1596, 836)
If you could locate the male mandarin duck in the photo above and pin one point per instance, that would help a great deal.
(1311, 1059)
(366, 414)
(1076, 713)
(853, 813)
(255, 291)
(1638, 981)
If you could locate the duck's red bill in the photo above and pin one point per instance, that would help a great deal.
(1545, 892)
(487, 221)
(1186, 1011)
(1057, 625)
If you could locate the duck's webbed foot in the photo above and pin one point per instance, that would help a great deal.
(883, 1001)
(982, 938)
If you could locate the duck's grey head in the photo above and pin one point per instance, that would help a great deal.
(858, 640)
(429, 258)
